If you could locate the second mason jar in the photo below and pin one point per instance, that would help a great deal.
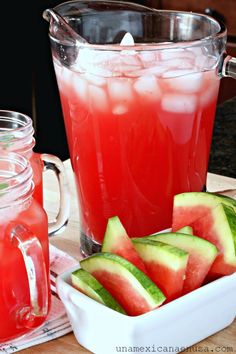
(17, 135)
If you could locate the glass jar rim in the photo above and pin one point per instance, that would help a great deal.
(20, 133)
(23, 119)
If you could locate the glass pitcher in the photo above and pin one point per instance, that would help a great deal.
(24, 254)
(138, 88)
(16, 135)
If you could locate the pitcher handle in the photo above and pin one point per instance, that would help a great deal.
(229, 67)
(32, 253)
(54, 164)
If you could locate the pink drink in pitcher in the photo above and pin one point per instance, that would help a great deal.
(139, 129)
(138, 88)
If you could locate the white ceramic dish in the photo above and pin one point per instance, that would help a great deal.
(171, 328)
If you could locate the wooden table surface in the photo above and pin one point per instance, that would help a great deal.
(222, 342)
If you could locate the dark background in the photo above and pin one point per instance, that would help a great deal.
(28, 83)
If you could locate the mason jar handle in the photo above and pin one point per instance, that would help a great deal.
(54, 164)
(229, 67)
(32, 253)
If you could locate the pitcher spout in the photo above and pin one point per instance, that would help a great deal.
(60, 28)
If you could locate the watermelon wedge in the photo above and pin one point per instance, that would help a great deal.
(201, 256)
(118, 242)
(88, 285)
(218, 226)
(166, 265)
(188, 207)
(131, 288)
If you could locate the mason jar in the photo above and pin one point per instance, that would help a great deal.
(24, 251)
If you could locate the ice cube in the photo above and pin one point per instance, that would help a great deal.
(211, 88)
(85, 59)
(184, 80)
(128, 70)
(179, 103)
(156, 70)
(148, 88)
(81, 87)
(128, 63)
(176, 53)
(98, 99)
(120, 109)
(105, 57)
(94, 79)
(206, 62)
(148, 58)
(208, 96)
(66, 75)
(176, 73)
(131, 60)
(178, 63)
(127, 40)
(95, 61)
(120, 90)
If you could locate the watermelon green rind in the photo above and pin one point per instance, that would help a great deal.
(225, 227)
(169, 255)
(231, 217)
(225, 199)
(89, 286)
(117, 241)
(166, 265)
(204, 198)
(218, 226)
(120, 266)
(202, 254)
(114, 231)
(190, 206)
(187, 243)
(185, 230)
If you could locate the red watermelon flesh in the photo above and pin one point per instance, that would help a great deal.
(201, 256)
(182, 213)
(218, 226)
(166, 265)
(119, 288)
(189, 207)
(117, 241)
(130, 287)
(169, 281)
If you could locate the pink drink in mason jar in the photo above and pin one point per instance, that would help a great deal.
(138, 89)
(24, 253)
